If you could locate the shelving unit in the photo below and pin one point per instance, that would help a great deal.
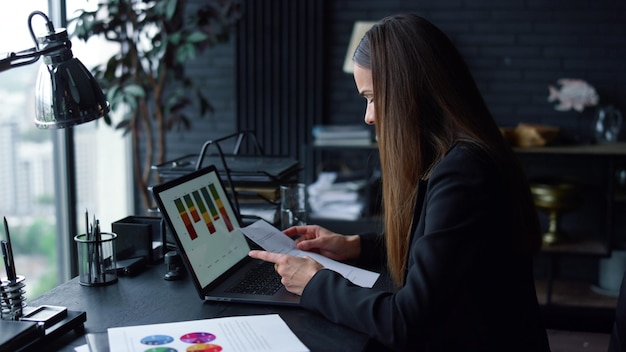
(599, 240)
(313, 155)
(612, 156)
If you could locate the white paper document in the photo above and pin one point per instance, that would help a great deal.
(273, 240)
(238, 334)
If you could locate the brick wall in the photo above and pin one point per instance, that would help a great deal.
(514, 48)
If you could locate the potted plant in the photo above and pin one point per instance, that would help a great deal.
(146, 80)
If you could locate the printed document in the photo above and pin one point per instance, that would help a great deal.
(273, 240)
(238, 334)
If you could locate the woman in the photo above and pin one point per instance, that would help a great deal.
(460, 225)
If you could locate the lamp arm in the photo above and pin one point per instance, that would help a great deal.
(29, 56)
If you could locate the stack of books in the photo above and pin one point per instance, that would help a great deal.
(343, 135)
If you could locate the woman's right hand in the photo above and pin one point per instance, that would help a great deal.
(317, 239)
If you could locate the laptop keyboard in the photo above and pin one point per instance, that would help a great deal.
(260, 280)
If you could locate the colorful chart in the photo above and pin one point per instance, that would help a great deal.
(209, 201)
(204, 211)
(186, 220)
(192, 208)
(204, 347)
(197, 337)
(220, 206)
(157, 340)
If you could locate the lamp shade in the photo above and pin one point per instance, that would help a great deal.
(66, 92)
(359, 30)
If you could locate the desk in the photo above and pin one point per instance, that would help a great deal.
(149, 299)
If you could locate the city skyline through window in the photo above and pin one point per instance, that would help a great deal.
(28, 198)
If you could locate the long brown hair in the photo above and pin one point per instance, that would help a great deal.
(425, 100)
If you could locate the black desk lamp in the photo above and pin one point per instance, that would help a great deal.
(66, 93)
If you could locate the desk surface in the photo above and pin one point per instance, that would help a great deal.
(149, 299)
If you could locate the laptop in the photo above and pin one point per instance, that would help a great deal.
(215, 252)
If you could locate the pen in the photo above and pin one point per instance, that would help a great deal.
(100, 254)
(87, 224)
(11, 273)
(89, 246)
(5, 256)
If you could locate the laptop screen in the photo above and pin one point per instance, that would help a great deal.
(203, 220)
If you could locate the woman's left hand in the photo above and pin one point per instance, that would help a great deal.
(296, 272)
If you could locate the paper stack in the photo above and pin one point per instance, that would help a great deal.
(336, 200)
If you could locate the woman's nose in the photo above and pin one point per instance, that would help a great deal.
(369, 116)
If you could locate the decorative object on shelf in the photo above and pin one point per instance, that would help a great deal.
(573, 94)
(607, 124)
(555, 197)
(577, 94)
(530, 135)
(610, 273)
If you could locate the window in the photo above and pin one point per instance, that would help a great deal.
(102, 153)
(29, 199)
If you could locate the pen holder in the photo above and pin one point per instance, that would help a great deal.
(96, 259)
(12, 301)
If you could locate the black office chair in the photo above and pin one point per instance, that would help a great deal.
(618, 335)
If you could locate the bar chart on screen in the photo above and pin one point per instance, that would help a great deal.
(202, 210)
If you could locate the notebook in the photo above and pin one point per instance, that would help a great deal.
(215, 252)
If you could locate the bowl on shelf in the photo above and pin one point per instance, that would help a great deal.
(554, 197)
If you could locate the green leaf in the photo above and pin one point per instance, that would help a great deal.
(186, 52)
(134, 90)
(170, 9)
(197, 36)
(112, 92)
(174, 38)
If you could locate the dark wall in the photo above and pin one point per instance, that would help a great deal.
(514, 48)
(214, 71)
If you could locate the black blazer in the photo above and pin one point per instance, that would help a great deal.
(466, 287)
